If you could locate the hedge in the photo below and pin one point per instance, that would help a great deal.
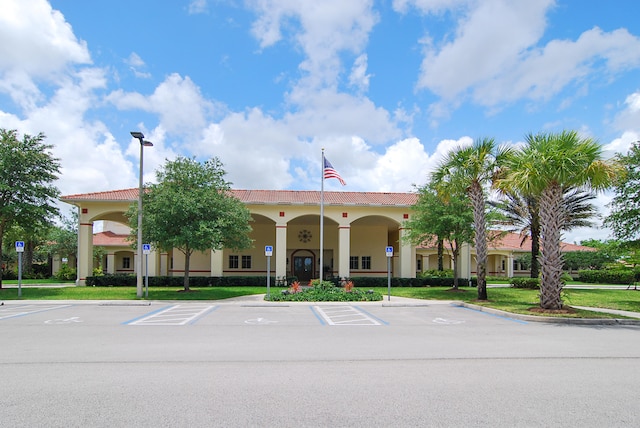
(121, 280)
(178, 281)
(607, 276)
(523, 282)
(369, 282)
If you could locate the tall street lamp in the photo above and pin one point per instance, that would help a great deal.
(143, 143)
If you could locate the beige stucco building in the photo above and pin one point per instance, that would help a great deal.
(358, 226)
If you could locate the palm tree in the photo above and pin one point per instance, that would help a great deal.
(548, 164)
(469, 170)
(522, 213)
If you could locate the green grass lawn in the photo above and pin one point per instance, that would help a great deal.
(36, 281)
(508, 299)
(127, 293)
(518, 300)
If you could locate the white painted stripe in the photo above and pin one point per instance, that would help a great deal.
(174, 315)
(336, 316)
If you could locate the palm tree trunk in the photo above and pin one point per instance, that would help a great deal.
(535, 251)
(477, 200)
(551, 226)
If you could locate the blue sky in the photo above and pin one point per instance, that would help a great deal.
(386, 87)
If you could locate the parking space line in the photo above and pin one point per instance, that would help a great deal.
(24, 310)
(174, 315)
(345, 315)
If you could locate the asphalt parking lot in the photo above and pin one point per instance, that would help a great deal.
(254, 363)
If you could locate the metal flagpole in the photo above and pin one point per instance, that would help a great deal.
(322, 217)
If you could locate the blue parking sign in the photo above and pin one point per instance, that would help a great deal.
(20, 246)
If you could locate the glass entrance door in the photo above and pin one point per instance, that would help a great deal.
(303, 267)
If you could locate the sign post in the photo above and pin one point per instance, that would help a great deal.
(268, 251)
(389, 251)
(146, 249)
(20, 250)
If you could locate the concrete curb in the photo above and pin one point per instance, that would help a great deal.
(550, 320)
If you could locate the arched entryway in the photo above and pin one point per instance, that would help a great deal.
(303, 264)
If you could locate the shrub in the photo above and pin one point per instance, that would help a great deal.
(530, 283)
(434, 273)
(66, 273)
(334, 294)
(607, 276)
(321, 285)
(9, 274)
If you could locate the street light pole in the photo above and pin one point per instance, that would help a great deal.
(140, 137)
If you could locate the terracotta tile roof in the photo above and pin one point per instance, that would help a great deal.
(512, 242)
(273, 197)
(110, 239)
(110, 196)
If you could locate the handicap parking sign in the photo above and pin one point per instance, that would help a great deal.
(268, 250)
(20, 246)
(146, 248)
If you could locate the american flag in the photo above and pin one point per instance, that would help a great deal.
(329, 172)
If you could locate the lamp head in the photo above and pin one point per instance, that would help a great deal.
(137, 134)
(146, 143)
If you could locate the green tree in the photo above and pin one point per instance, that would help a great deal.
(625, 205)
(35, 239)
(576, 260)
(191, 209)
(27, 171)
(544, 167)
(439, 220)
(522, 213)
(470, 170)
(63, 238)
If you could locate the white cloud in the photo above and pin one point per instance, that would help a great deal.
(496, 64)
(177, 100)
(629, 117)
(136, 63)
(37, 40)
(620, 145)
(328, 113)
(403, 165)
(37, 44)
(321, 29)
(481, 49)
(197, 6)
(359, 77)
(428, 6)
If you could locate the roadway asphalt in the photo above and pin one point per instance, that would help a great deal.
(246, 362)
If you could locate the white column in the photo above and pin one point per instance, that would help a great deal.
(217, 262)
(465, 261)
(164, 264)
(153, 263)
(510, 265)
(281, 251)
(111, 263)
(85, 249)
(344, 250)
(407, 257)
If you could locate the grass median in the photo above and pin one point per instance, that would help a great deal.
(508, 299)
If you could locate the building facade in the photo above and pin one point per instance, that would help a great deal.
(358, 227)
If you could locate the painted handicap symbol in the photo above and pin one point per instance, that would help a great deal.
(262, 321)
